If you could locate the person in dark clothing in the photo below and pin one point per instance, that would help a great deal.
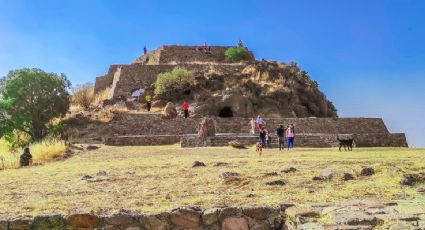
(26, 157)
(145, 50)
(263, 137)
(280, 133)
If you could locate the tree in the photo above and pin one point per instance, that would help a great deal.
(29, 99)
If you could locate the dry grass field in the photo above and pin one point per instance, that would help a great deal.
(158, 178)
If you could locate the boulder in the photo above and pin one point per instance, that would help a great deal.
(197, 164)
(235, 223)
(217, 164)
(170, 111)
(262, 225)
(295, 212)
(206, 128)
(121, 218)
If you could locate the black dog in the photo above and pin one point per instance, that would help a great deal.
(347, 144)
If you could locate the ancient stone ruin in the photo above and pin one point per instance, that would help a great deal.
(230, 93)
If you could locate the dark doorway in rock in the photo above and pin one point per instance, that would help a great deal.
(226, 112)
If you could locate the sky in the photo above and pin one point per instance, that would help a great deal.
(368, 56)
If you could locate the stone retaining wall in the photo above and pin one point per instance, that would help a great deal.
(226, 218)
(143, 140)
(140, 75)
(302, 140)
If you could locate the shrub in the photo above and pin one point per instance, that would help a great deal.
(236, 54)
(83, 95)
(178, 80)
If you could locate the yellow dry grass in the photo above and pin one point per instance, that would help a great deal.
(158, 178)
(42, 152)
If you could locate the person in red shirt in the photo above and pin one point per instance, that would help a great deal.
(185, 108)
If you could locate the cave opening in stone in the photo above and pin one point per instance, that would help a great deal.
(226, 112)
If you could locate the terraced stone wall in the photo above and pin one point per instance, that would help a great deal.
(105, 81)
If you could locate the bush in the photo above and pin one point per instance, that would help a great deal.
(236, 54)
(83, 95)
(177, 80)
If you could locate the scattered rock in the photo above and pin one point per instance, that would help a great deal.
(217, 164)
(288, 170)
(198, 164)
(170, 111)
(367, 171)
(279, 182)
(159, 103)
(347, 176)
(92, 147)
(83, 220)
(86, 177)
(237, 145)
(235, 223)
(227, 175)
(408, 179)
(101, 173)
(326, 174)
(270, 174)
(250, 195)
(188, 218)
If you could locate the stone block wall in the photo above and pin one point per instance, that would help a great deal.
(144, 140)
(243, 218)
(173, 54)
(139, 75)
(105, 81)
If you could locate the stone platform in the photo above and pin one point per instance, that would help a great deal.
(151, 129)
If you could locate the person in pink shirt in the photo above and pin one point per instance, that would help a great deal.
(290, 134)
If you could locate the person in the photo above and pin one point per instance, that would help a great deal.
(260, 122)
(268, 139)
(253, 125)
(185, 108)
(148, 102)
(145, 50)
(26, 157)
(240, 43)
(290, 134)
(280, 132)
(263, 137)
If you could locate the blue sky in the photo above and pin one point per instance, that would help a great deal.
(368, 56)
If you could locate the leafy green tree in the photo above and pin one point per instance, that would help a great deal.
(236, 53)
(29, 99)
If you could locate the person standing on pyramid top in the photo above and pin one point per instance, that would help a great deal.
(145, 50)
